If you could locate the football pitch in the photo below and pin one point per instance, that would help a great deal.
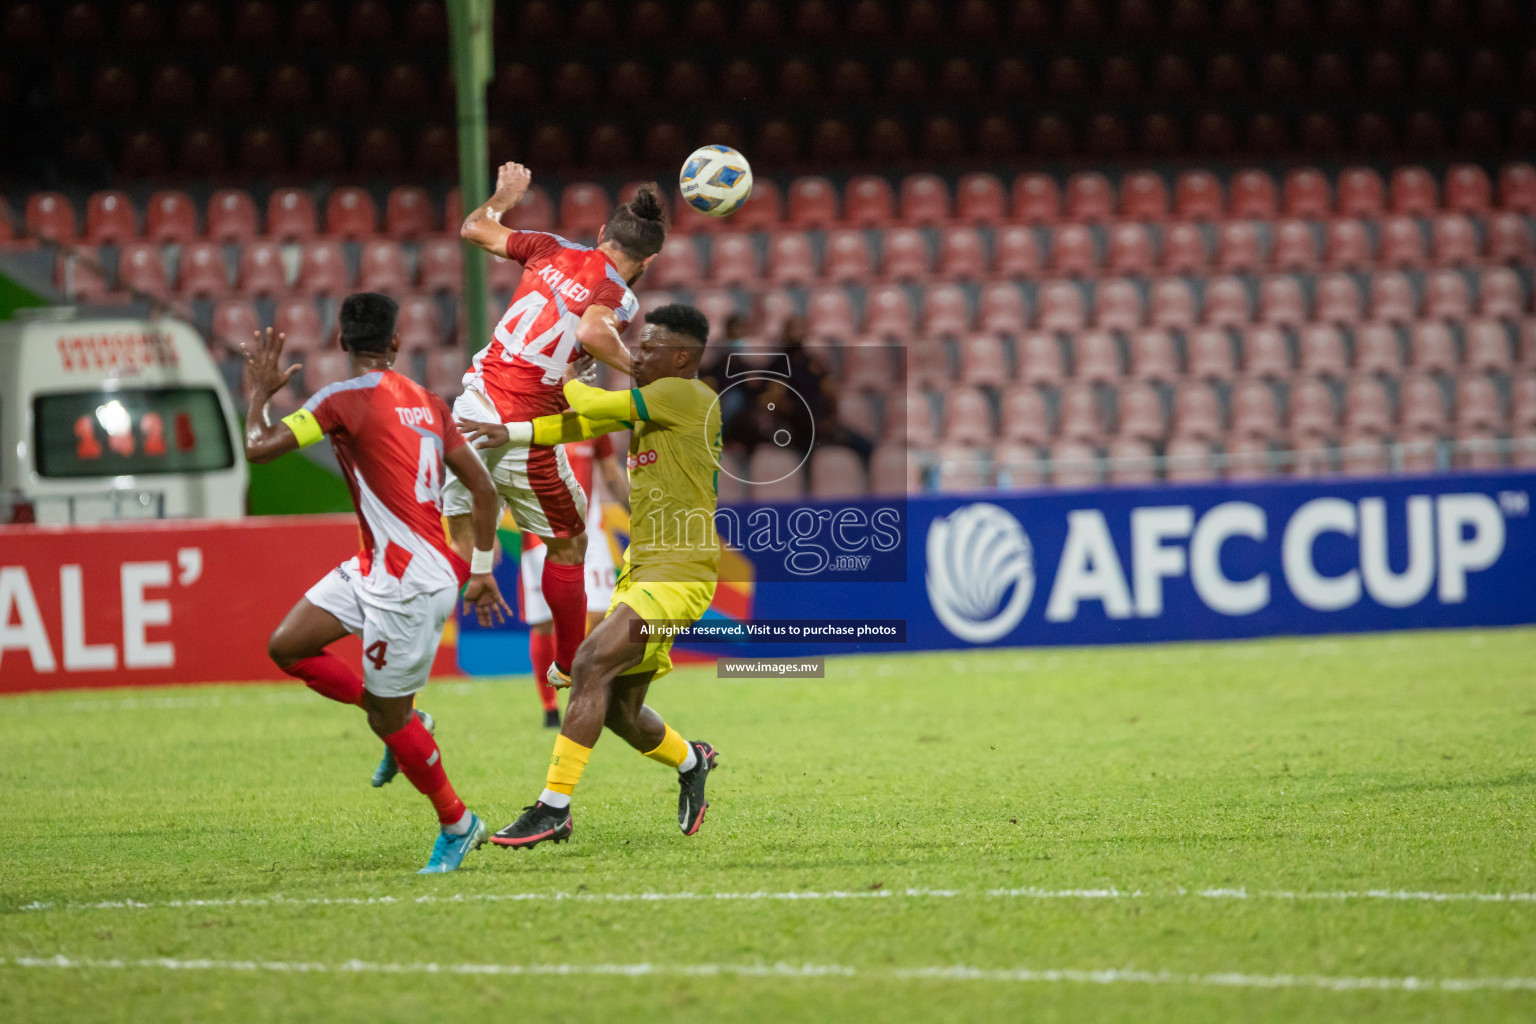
(1310, 829)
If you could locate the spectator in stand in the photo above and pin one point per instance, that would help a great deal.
(813, 382)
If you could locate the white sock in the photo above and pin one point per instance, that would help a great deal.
(461, 826)
(559, 801)
(690, 761)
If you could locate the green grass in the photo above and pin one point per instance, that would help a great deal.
(1390, 762)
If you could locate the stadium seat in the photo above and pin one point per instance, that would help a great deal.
(1282, 303)
(1002, 309)
(924, 200)
(1306, 194)
(201, 272)
(80, 275)
(1252, 196)
(290, 215)
(419, 323)
(1413, 192)
(962, 256)
(812, 203)
(1139, 413)
(445, 372)
(1188, 460)
(677, 265)
(1248, 458)
(848, 260)
(717, 306)
(836, 472)
(170, 218)
(49, 216)
(110, 219)
(260, 271)
(980, 200)
(1172, 304)
(1295, 246)
(1508, 239)
(1074, 464)
(141, 268)
(1477, 405)
(1073, 251)
(1197, 195)
(231, 216)
(763, 210)
(772, 309)
(982, 362)
(1238, 248)
(1090, 198)
(1266, 356)
(1337, 300)
(1184, 249)
(536, 212)
(946, 312)
(1402, 244)
(1393, 299)
(1130, 250)
(1347, 246)
(350, 213)
(1255, 413)
(1322, 351)
(379, 153)
(1061, 307)
(733, 261)
(1226, 302)
(888, 313)
(1468, 190)
(1017, 466)
(1517, 188)
(323, 268)
(235, 323)
(830, 316)
(584, 209)
(1422, 405)
(1361, 194)
(1036, 199)
(1209, 354)
(967, 417)
(1311, 412)
(1024, 418)
(963, 468)
(299, 320)
(1501, 294)
(1143, 197)
(1131, 461)
(791, 260)
(1432, 349)
(1362, 455)
(440, 263)
(1377, 350)
(409, 213)
(1522, 405)
(1078, 417)
(1153, 356)
(868, 202)
(1040, 360)
(1016, 253)
(1095, 357)
(1117, 306)
(927, 365)
(1446, 296)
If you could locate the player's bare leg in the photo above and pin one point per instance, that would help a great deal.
(298, 647)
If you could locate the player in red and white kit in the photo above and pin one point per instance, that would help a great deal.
(392, 438)
(588, 459)
(573, 300)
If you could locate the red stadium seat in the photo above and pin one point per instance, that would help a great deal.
(141, 268)
(791, 260)
(982, 362)
(1209, 351)
(967, 417)
(50, 216)
(1501, 294)
(80, 276)
(1073, 251)
(1307, 195)
(1377, 350)
(1295, 246)
(924, 200)
(261, 271)
(202, 271)
(962, 256)
(1078, 418)
(1184, 249)
(1172, 304)
(1061, 307)
(382, 268)
(1040, 360)
(1197, 196)
(1024, 417)
(1446, 296)
(1361, 193)
(1016, 253)
(1468, 190)
(1402, 243)
(1090, 197)
(1431, 349)
(812, 203)
(1311, 412)
(763, 210)
(1422, 405)
(946, 312)
(1265, 353)
(1322, 351)
(1003, 309)
(1139, 415)
(1143, 196)
(1255, 413)
(1282, 303)
(235, 323)
(170, 217)
(1248, 458)
(1522, 405)
(1414, 192)
(419, 324)
(1117, 306)
(1196, 412)
(1347, 246)
(848, 260)
(110, 219)
(1036, 199)
(1393, 299)
(1337, 300)
(1517, 188)
(1017, 466)
(1252, 196)
(350, 213)
(441, 265)
(505, 276)
(677, 265)
(1130, 250)
(772, 309)
(232, 216)
(733, 260)
(1477, 405)
(980, 200)
(291, 215)
(323, 268)
(1153, 356)
(927, 366)
(1188, 460)
(1238, 248)
(409, 213)
(1226, 302)
(836, 472)
(584, 209)
(1095, 357)
(868, 202)
(830, 315)
(1074, 464)
(888, 313)
(1509, 240)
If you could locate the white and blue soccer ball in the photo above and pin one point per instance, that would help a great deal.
(716, 180)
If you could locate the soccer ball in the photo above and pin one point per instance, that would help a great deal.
(716, 180)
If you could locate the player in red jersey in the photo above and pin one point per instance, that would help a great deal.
(572, 300)
(585, 457)
(392, 438)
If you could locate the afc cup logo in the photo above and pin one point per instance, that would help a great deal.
(981, 572)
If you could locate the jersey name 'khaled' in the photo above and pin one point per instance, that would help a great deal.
(535, 340)
(674, 463)
(390, 436)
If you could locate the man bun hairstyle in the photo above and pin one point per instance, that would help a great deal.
(681, 319)
(638, 227)
(368, 322)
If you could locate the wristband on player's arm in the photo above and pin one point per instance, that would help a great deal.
(306, 429)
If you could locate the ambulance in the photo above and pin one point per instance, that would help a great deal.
(114, 419)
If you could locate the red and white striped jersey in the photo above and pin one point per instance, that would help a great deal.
(582, 457)
(390, 436)
(535, 340)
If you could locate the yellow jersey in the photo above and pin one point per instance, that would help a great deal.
(674, 480)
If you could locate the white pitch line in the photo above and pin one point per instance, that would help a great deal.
(1114, 976)
(1026, 893)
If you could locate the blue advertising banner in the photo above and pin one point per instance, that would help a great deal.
(1188, 562)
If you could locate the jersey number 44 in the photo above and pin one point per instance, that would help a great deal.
(550, 349)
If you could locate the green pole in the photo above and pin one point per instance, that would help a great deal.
(469, 23)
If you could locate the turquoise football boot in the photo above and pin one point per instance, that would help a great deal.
(449, 850)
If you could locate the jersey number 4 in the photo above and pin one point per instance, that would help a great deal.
(549, 350)
(375, 654)
(429, 473)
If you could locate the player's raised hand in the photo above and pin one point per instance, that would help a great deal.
(482, 594)
(512, 179)
(484, 435)
(261, 359)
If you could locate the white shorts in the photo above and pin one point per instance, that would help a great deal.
(400, 637)
(600, 579)
(536, 482)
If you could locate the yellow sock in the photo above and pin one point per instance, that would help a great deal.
(671, 751)
(565, 765)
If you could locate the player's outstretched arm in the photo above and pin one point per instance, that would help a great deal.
(557, 428)
(483, 226)
(598, 334)
(266, 441)
(481, 593)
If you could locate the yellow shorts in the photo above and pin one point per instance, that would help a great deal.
(654, 602)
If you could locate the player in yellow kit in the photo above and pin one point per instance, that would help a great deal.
(669, 572)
